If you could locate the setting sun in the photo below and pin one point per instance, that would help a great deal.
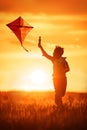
(38, 76)
(35, 80)
(39, 80)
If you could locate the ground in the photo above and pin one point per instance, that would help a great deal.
(36, 111)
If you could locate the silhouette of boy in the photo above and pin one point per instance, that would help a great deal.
(60, 67)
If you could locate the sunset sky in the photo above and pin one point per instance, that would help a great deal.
(61, 23)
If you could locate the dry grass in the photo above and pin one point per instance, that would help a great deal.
(35, 111)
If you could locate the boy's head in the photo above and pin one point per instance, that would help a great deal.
(58, 52)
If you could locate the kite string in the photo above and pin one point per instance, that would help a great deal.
(25, 48)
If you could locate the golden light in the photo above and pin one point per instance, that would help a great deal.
(35, 80)
(38, 76)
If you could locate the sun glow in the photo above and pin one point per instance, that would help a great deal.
(36, 80)
(38, 76)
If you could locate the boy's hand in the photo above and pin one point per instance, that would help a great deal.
(39, 42)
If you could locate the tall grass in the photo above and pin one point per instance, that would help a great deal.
(35, 111)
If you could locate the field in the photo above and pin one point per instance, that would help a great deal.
(35, 111)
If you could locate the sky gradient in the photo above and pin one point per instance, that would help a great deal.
(45, 6)
(61, 23)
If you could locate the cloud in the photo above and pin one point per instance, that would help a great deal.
(45, 6)
(54, 29)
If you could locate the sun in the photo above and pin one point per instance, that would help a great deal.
(35, 80)
(38, 76)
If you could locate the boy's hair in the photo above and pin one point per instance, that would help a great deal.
(59, 50)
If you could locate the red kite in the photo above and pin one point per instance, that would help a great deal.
(20, 28)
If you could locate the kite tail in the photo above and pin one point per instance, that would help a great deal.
(24, 48)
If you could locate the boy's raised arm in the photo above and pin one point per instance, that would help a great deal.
(43, 51)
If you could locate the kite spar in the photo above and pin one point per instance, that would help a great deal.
(20, 29)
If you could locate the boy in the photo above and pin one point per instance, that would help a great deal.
(60, 67)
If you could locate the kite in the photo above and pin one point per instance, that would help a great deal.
(20, 29)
